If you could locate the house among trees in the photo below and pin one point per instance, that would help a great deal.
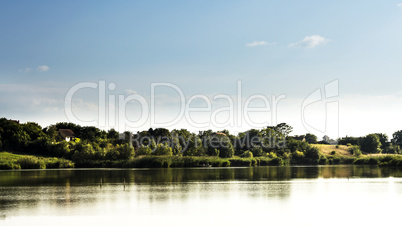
(67, 134)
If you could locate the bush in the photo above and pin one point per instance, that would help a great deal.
(366, 161)
(31, 163)
(322, 160)
(240, 162)
(355, 150)
(276, 162)
(257, 151)
(126, 152)
(143, 150)
(247, 154)
(333, 152)
(9, 165)
(162, 149)
(213, 152)
(272, 155)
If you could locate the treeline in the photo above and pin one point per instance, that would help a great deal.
(375, 143)
(95, 145)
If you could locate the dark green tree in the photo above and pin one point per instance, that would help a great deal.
(397, 138)
(371, 144)
(311, 138)
(283, 128)
(112, 134)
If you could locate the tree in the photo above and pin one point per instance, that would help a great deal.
(397, 138)
(283, 128)
(383, 139)
(126, 152)
(162, 149)
(371, 144)
(34, 130)
(143, 150)
(226, 149)
(311, 138)
(112, 134)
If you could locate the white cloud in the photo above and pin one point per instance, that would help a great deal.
(28, 69)
(310, 42)
(399, 5)
(130, 91)
(43, 68)
(259, 43)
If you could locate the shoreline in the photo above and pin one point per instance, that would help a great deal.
(26, 161)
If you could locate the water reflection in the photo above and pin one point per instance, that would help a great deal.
(133, 191)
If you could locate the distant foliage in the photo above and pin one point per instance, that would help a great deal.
(371, 144)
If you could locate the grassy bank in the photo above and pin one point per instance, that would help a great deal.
(22, 161)
(328, 149)
(182, 161)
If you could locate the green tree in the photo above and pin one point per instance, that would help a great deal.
(163, 149)
(143, 150)
(311, 138)
(283, 128)
(226, 149)
(371, 144)
(397, 138)
(257, 151)
(126, 152)
(112, 134)
(33, 129)
(383, 139)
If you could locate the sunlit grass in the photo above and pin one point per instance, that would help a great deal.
(22, 161)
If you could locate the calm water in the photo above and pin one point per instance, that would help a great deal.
(328, 195)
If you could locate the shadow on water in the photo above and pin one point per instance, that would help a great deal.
(66, 189)
(85, 177)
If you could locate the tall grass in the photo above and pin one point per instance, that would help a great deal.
(15, 161)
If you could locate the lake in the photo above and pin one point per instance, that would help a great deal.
(289, 195)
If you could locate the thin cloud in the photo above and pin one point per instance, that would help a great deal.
(310, 42)
(259, 43)
(43, 68)
(28, 69)
(130, 91)
(399, 5)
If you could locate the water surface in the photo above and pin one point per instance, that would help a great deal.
(325, 195)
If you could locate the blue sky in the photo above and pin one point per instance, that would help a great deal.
(205, 47)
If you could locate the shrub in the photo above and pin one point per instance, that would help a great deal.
(240, 162)
(355, 150)
(276, 162)
(247, 154)
(333, 152)
(162, 149)
(126, 152)
(9, 165)
(143, 150)
(272, 155)
(257, 151)
(31, 163)
(322, 160)
(366, 161)
(213, 152)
